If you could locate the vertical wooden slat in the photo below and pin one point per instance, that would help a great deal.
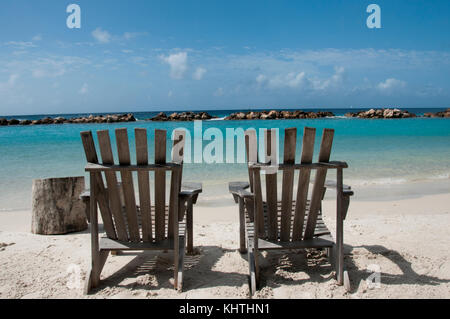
(95, 249)
(174, 234)
(290, 141)
(101, 198)
(160, 184)
(113, 188)
(339, 229)
(309, 135)
(123, 150)
(271, 188)
(177, 157)
(175, 186)
(258, 204)
(321, 173)
(144, 183)
(303, 182)
(251, 150)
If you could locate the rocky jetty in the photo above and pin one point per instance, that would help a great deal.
(382, 114)
(445, 113)
(110, 118)
(274, 115)
(184, 116)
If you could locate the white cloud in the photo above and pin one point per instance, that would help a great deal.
(198, 74)
(56, 66)
(333, 81)
(101, 36)
(169, 94)
(178, 64)
(300, 80)
(219, 92)
(21, 44)
(10, 83)
(37, 37)
(132, 35)
(390, 84)
(84, 89)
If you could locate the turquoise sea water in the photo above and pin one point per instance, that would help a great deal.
(387, 158)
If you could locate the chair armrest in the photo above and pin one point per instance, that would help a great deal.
(190, 189)
(238, 189)
(346, 189)
(86, 194)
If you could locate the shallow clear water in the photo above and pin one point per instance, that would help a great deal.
(390, 156)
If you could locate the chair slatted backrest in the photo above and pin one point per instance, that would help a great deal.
(285, 221)
(127, 221)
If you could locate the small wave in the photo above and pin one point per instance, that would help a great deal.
(397, 181)
(337, 117)
(217, 119)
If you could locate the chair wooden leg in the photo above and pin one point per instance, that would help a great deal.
(190, 227)
(179, 263)
(242, 248)
(88, 282)
(93, 274)
(347, 285)
(252, 271)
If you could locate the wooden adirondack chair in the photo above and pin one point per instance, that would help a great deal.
(292, 223)
(129, 226)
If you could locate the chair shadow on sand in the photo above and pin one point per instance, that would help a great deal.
(283, 265)
(152, 270)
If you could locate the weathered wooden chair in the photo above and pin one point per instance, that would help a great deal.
(290, 223)
(132, 227)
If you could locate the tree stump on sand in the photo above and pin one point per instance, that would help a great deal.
(57, 207)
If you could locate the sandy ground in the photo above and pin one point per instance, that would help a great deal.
(407, 241)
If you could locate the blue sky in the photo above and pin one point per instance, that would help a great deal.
(217, 54)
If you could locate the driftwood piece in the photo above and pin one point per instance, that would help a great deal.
(57, 207)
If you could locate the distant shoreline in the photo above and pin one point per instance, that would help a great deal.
(226, 112)
(388, 113)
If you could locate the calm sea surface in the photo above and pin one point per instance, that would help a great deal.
(387, 158)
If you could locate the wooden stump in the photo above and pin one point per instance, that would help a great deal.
(57, 207)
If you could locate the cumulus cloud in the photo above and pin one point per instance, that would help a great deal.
(333, 81)
(198, 74)
(101, 35)
(390, 84)
(37, 37)
(178, 64)
(300, 80)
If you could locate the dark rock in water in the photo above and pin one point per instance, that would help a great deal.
(160, 117)
(58, 120)
(382, 114)
(445, 114)
(273, 115)
(61, 120)
(184, 116)
(47, 120)
(25, 122)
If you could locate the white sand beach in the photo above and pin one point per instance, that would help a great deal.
(408, 240)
